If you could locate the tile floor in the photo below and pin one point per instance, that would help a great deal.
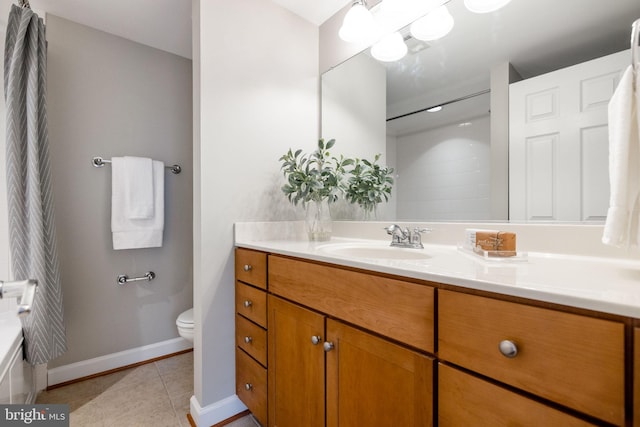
(155, 395)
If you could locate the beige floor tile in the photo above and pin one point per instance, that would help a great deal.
(178, 383)
(176, 363)
(129, 378)
(151, 416)
(247, 421)
(83, 390)
(86, 415)
(182, 404)
(136, 397)
(140, 397)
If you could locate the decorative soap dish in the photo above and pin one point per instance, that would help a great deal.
(498, 256)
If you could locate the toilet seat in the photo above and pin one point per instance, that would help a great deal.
(185, 320)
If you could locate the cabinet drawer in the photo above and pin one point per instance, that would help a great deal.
(400, 310)
(464, 400)
(251, 385)
(636, 378)
(574, 360)
(252, 339)
(251, 303)
(251, 267)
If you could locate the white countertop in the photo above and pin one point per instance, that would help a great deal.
(601, 284)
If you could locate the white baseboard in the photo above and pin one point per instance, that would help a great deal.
(100, 364)
(216, 412)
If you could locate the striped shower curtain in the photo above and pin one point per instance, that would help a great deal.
(29, 192)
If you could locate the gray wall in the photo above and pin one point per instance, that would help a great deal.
(108, 96)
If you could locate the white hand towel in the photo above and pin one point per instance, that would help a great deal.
(129, 233)
(621, 226)
(138, 184)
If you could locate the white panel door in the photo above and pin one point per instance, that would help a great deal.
(558, 142)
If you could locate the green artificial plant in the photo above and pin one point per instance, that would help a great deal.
(369, 184)
(314, 177)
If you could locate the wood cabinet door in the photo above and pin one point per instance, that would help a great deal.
(636, 378)
(373, 382)
(295, 366)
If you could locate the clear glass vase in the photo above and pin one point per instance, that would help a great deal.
(318, 220)
(370, 213)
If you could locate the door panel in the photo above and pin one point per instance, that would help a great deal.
(557, 137)
(373, 382)
(295, 365)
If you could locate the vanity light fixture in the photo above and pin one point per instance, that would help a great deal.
(358, 25)
(485, 6)
(433, 26)
(434, 109)
(390, 48)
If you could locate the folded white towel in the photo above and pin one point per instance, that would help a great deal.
(130, 233)
(623, 216)
(138, 184)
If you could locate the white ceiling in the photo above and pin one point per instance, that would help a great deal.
(163, 24)
(314, 11)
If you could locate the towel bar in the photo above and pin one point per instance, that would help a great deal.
(99, 162)
(123, 278)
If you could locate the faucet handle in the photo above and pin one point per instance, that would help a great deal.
(395, 228)
(422, 230)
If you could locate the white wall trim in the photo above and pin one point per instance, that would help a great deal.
(96, 365)
(217, 411)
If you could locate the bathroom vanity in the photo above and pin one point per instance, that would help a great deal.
(336, 340)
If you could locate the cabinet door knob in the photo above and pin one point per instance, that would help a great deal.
(328, 346)
(508, 349)
(315, 340)
(248, 386)
(248, 303)
(248, 340)
(247, 267)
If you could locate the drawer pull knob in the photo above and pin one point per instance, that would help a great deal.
(248, 303)
(247, 267)
(248, 340)
(248, 386)
(328, 346)
(508, 349)
(315, 340)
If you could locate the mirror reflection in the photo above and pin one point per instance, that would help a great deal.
(454, 164)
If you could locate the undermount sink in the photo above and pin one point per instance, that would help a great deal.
(373, 251)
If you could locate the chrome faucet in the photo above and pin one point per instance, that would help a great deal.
(404, 238)
(24, 290)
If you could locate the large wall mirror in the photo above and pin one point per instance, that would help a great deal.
(453, 165)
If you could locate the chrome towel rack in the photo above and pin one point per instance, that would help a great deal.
(99, 162)
(124, 279)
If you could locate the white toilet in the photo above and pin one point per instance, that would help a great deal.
(184, 322)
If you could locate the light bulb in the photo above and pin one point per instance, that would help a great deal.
(485, 6)
(395, 6)
(358, 25)
(391, 48)
(433, 25)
